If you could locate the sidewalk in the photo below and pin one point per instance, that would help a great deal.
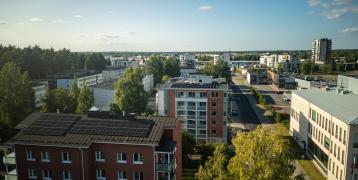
(266, 123)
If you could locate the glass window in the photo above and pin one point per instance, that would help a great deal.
(31, 173)
(138, 176)
(213, 132)
(121, 157)
(202, 131)
(180, 103)
(46, 174)
(202, 123)
(213, 113)
(67, 175)
(45, 156)
(100, 156)
(66, 157)
(213, 104)
(137, 158)
(100, 174)
(29, 155)
(122, 175)
(213, 122)
(202, 113)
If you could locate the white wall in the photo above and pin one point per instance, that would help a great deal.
(103, 98)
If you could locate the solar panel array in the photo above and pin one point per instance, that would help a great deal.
(51, 125)
(195, 85)
(112, 127)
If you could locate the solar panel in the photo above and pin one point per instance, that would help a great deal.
(213, 85)
(52, 125)
(112, 127)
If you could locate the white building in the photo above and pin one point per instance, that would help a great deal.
(325, 124)
(40, 90)
(103, 94)
(148, 83)
(124, 62)
(187, 60)
(66, 82)
(112, 74)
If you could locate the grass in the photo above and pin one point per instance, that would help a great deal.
(306, 163)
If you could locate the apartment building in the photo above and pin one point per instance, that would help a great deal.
(124, 61)
(96, 147)
(90, 79)
(325, 124)
(200, 102)
(187, 60)
(321, 51)
(40, 89)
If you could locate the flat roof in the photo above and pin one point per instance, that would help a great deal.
(109, 85)
(81, 130)
(342, 106)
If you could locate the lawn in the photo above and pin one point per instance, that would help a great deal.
(306, 163)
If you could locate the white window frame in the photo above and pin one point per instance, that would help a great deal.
(98, 155)
(120, 157)
(120, 175)
(68, 173)
(68, 159)
(140, 175)
(99, 174)
(140, 156)
(47, 156)
(49, 173)
(30, 155)
(31, 173)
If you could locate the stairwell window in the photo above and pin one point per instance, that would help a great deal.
(137, 158)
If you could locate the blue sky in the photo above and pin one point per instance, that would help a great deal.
(173, 25)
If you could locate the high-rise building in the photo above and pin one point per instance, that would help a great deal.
(200, 102)
(73, 146)
(321, 51)
(187, 60)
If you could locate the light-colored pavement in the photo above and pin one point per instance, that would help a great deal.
(265, 122)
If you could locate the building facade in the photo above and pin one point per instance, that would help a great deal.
(118, 148)
(325, 124)
(89, 80)
(187, 60)
(40, 89)
(321, 51)
(200, 103)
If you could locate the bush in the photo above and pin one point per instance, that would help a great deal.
(278, 117)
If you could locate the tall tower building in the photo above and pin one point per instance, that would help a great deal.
(321, 51)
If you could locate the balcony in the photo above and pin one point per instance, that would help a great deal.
(12, 175)
(190, 117)
(201, 107)
(180, 107)
(166, 167)
(192, 126)
(201, 117)
(191, 108)
(10, 158)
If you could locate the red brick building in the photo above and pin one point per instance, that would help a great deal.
(81, 147)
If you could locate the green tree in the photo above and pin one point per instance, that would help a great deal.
(74, 93)
(57, 99)
(261, 154)
(155, 67)
(85, 99)
(215, 167)
(165, 78)
(17, 96)
(219, 70)
(171, 67)
(130, 95)
(188, 145)
(307, 67)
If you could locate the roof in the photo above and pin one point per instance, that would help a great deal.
(87, 130)
(342, 106)
(109, 85)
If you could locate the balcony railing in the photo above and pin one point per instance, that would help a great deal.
(190, 117)
(166, 167)
(201, 117)
(190, 126)
(180, 107)
(191, 107)
(12, 175)
(201, 107)
(10, 158)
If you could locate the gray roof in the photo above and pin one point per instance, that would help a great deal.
(343, 107)
(72, 139)
(109, 85)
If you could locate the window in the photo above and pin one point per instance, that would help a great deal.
(339, 154)
(30, 156)
(214, 94)
(342, 157)
(213, 113)
(202, 123)
(66, 157)
(138, 176)
(100, 156)
(180, 112)
(122, 175)
(203, 132)
(202, 103)
(46, 174)
(67, 175)
(202, 94)
(31, 173)
(180, 94)
(192, 113)
(121, 157)
(191, 94)
(137, 158)
(340, 134)
(336, 135)
(213, 104)
(213, 132)
(180, 103)
(202, 113)
(314, 115)
(100, 174)
(45, 156)
(344, 137)
(213, 122)
(191, 103)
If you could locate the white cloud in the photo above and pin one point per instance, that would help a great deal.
(205, 8)
(313, 2)
(2, 22)
(351, 29)
(310, 13)
(35, 19)
(58, 21)
(20, 23)
(337, 13)
(77, 16)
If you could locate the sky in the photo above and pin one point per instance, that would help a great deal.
(178, 25)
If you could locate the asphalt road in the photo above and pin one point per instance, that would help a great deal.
(247, 117)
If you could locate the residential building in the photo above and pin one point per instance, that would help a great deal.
(348, 82)
(281, 80)
(325, 124)
(187, 60)
(97, 146)
(200, 102)
(124, 62)
(40, 89)
(257, 76)
(321, 51)
(111, 74)
(90, 79)
(269, 60)
(148, 83)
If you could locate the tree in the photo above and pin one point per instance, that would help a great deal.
(215, 167)
(218, 70)
(17, 96)
(57, 99)
(130, 95)
(85, 99)
(165, 78)
(171, 67)
(74, 93)
(155, 67)
(188, 145)
(261, 154)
